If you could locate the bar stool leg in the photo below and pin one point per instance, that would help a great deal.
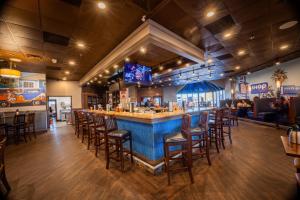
(168, 164)
(107, 153)
(130, 146)
(121, 154)
(207, 150)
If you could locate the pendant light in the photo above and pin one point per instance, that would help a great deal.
(10, 72)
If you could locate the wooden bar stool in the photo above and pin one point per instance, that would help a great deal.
(199, 137)
(99, 131)
(76, 122)
(114, 142)
(3, 178)
(18, 127)
(30, 125)
(226, 124)
(91, 124)
(215, 128)
(84, 125)
(177, 148)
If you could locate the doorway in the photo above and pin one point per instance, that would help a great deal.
(60, 108)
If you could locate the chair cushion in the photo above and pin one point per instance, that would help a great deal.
(197, 130)
(177, 137)
(101, 128)
(118, 133)
(297, 163)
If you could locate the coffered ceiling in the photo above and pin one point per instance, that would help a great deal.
(232, 33)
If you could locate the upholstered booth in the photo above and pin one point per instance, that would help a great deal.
(294, 111)
(262, 110)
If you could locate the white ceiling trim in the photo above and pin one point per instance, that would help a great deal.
(148, 32)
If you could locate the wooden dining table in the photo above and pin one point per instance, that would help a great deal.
(290, 149)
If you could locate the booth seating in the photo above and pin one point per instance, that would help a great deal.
(294, 111)
(240, 112)
(262, 110)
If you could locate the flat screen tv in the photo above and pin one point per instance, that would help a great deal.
(136, 73)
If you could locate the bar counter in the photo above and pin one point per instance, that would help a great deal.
(148, 131)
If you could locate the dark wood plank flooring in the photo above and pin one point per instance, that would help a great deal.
(58, 166)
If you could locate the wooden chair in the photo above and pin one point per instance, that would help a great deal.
(199, 137)
(178, 144)
(234, 116)
(83, 125)
(215, 128)
(114, 142)
(2, 169)
(30, 125)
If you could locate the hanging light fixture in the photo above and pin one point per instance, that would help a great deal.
(10, 72)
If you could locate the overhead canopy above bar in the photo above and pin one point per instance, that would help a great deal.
(149, 32)
(198, 87)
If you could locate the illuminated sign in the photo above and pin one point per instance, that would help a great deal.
(259, 88)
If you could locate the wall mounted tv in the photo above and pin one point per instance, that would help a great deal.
(136, 73)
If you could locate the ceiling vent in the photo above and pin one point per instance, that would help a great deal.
(55, 68)
(73, 2)
(229, 71)
(225, 57)
(33, 56)
(215, 47)
(55, 39)
(220, 25)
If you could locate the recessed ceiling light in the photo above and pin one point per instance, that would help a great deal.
(187, 64)
(179, 62)
(227, 35)
(169, 70)
(230, 79)
(237, 67)
(80, 44)
(209, 61)
(241, 52)
(161, 67)
(287, 25)
(277, 63)
(99, 82)
(64, 78)
(155, 74)
(15, 59)
(88, 83)
(95, 78)
(116, 66)
(160, 81)
(101, 5)
(248, 73)
(72, 62)
(53, 60)
(143, 50)
(210, 13)
(127, 59)
(67, 72)
(100, 75)
(284, 47)
(221, 74)
(252, 37)
(106, 71)
(91, 81)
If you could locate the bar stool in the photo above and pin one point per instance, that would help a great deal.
(177, 144)
(30, 124)
(199, 137)
(99, 131)
(76, 122)
(83, 125)
(226, 123)
(115, 137)
(3, 178)
(18, 127)
(215, 128)
(91, 124)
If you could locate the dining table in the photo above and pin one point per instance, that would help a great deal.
(291, 149)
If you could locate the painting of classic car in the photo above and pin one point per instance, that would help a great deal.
(22, 92)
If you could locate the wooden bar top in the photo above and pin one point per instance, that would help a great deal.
(148, 117)
(290, 148)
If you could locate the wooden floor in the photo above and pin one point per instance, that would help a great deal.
(58, 166)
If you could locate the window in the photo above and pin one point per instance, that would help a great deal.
(28, 84)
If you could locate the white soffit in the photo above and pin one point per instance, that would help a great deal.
(148, 32)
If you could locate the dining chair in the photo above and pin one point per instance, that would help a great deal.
(2, 169)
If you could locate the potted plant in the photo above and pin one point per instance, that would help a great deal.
(279, 76)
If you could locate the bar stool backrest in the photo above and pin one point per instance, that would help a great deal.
(2, 149)
(30, 118)
(110, 123)
(19, 119)
(186, 122)
(99, 119)
(203, 120)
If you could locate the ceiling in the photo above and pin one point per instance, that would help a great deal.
(38, 31)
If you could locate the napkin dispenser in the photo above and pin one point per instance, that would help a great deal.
(294, 136)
